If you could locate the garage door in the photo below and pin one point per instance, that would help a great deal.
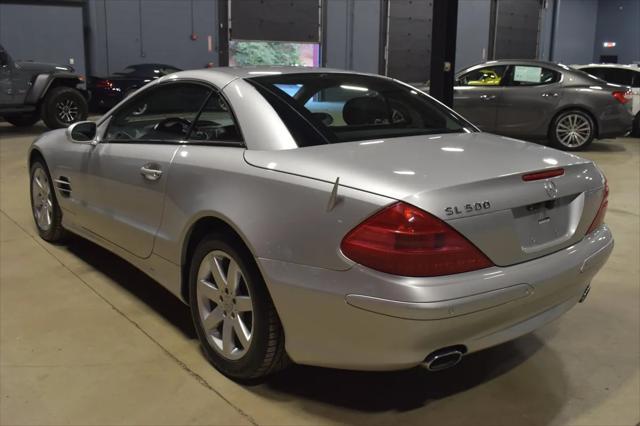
(43, 33)
(517, 27)
(409, 40)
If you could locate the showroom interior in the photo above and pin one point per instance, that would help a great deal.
(88, 336)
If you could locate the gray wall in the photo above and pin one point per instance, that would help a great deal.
(120, 35)
(575, 31)
(473, 32)
(353, 35)
(619, 21)
(27, 33)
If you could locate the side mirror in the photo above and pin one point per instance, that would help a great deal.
(82, 132)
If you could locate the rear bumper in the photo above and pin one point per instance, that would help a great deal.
(615, 122)
(366, 320)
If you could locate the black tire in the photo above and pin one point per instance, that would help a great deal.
(558, 130)
(55, 233)
(635, 132)
(23, 120)
(54, 107)
(266, 354)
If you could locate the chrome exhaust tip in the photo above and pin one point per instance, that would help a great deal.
(444, 358)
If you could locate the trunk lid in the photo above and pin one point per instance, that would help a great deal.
(471, 180)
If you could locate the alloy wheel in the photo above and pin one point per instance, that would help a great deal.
(573, 130)
(42, 199)
(67, 110)
(225, 306)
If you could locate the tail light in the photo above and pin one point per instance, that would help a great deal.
(545, 174)
(622, 97)
(602, 211)
(104, 84)
(403, 240)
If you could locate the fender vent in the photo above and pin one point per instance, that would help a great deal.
(64, 186)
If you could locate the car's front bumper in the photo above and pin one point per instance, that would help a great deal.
(366, 320)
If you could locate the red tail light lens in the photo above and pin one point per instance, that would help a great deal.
(104, 84)
(622, 97)
(602, 211)
(404, 240)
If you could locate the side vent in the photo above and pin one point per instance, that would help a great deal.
(64, 186)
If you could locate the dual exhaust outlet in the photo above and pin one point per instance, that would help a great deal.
(444, 358)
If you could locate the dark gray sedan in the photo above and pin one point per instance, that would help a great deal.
(540, 100)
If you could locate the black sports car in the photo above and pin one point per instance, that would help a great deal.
(108, 91)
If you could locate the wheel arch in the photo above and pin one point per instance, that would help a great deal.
(200, 228)
(42, 83)
(34, 155)
(577, 107)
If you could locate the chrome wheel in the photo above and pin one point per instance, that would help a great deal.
(224, 306)
(573, 130)
(42, 201)
(67, 110)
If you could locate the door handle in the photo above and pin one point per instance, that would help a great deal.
(151, 171)
(547, 94)
(487, 97)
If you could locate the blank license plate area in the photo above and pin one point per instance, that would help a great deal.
(547, 223)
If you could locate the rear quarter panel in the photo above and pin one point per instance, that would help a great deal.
(279, 216)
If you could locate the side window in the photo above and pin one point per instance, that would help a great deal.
(596, 72)
(526, 75)
(215, 122)
(164, 113)
(485, 76)
(619, 76)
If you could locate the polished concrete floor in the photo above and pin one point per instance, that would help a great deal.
(87, 339)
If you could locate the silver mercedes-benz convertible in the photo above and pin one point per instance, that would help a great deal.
(327, 217)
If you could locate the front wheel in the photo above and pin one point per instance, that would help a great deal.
(63, 106)
(44, 205)
(572, 130)
(234, 316)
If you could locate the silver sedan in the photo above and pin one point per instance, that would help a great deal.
(326, 218)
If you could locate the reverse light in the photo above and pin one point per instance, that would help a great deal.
(602, 210)
(403, 240)
(622, 97)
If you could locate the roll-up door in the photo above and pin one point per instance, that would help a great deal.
(409, 39)
(517, 28)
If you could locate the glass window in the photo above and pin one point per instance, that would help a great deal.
(527, 75)
(252, 52)
(348, 107)
(215, 122)
(164, 113)
(485, 76)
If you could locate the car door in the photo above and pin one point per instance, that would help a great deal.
(529, 101)
(128, 168)
(477, 93)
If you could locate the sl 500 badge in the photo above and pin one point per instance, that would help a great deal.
(468, 208)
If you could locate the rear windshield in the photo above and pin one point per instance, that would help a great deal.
(334, 107)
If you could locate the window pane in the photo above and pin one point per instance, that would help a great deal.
(216, 122)
(164, 113)
(486, 76)
(525, 75)
(346, 107)
(243, 53)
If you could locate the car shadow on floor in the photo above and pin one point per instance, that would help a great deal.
(135, 282)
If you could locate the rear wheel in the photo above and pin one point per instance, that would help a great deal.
(63, 106)
(635, 132)
(23, 120)
(234, 316)
(44, 205)
(572, 130)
